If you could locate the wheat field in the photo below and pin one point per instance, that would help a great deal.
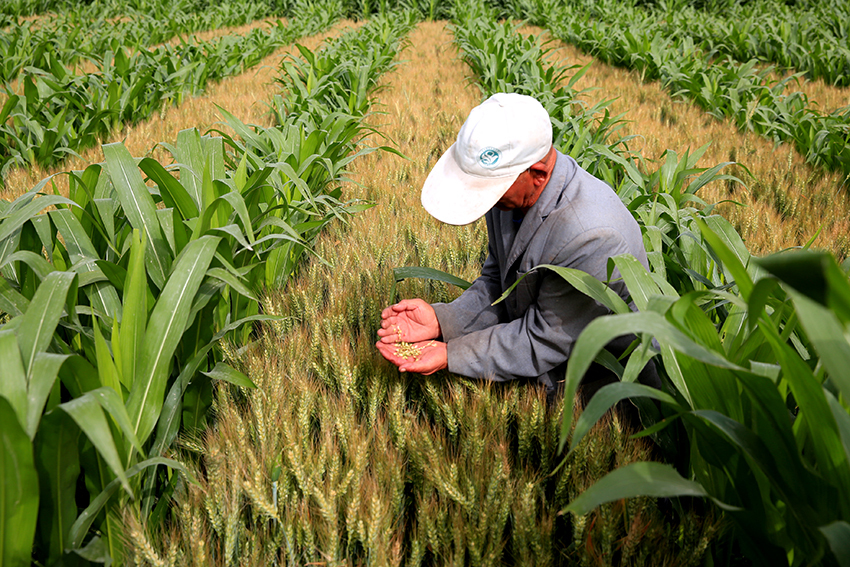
(336, 459)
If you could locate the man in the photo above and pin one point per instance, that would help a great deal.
(541, 208)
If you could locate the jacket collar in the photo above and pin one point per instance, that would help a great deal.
(545, 204)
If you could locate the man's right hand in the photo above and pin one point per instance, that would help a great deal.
(409, 320)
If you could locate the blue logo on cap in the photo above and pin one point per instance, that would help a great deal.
(489, 157)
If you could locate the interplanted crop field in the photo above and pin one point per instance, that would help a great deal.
(206, 206)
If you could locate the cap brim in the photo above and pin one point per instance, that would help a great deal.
(454, 197)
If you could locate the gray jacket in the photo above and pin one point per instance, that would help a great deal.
(577, 222)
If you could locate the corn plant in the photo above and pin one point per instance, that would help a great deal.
(760, 388)
(626, 36)
(148, 291)
(60, 112)
(807, 39)
(90, 31)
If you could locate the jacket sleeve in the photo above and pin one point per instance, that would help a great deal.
(472, 311)
(543, 337)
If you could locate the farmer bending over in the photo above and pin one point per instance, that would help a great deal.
(541, 208)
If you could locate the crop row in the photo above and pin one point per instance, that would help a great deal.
(72, 36)
(735, 347)
(741, 92)
(95, 9)
(121, 294)
(814, 42)
(59, 112)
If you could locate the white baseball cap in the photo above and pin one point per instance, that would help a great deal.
(501, 138)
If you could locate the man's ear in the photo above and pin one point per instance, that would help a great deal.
(541, 170)
(539, 174)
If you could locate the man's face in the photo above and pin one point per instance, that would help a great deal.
(518, 195)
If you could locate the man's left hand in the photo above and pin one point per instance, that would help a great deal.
(431, 357)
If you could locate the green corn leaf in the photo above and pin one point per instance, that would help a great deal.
(827, 334)
(734, 260)
(235, 199)
(87, 413)
(630, 169)
(842, 420)
(111, 401)
(140, 209)
(46, 233)
(768, 406)
(79, 376)
(105, 365)
(227, 373)
(11, 102)
(169, 421)
(604, 329)
(606, 397)
(115, 339)
(252, 138)
(231, 280)
(749, 443)
(21, 215)
(13, 386)
(235, 231)
(106, 211)
(58, 461)
(639, 282)
(45, 310)
(134, 321)
(81, 525)
(114, 273)
(815, 275)
(240, 176)
(174, 195)
(810, 396)
(166, 223)
(637, 479)
(167, 322)
(18, 490)
(213, 217)
(36, 262)
(584, 283)
(429, 274)
(11, 300)
(42, 377)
